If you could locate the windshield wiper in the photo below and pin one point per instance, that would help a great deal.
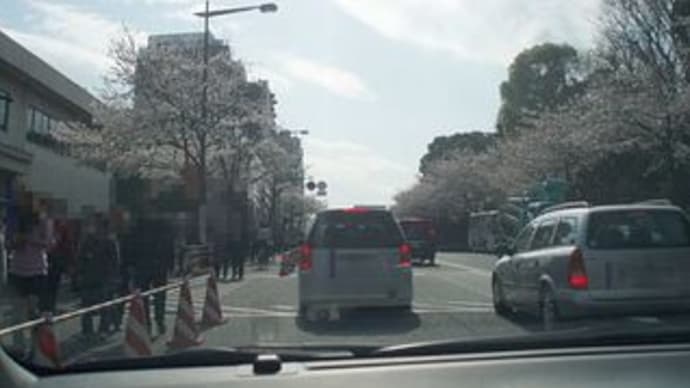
(593, 337)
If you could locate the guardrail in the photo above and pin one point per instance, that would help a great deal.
(196, 258)
(77, 313)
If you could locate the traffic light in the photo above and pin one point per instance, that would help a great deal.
(311, 186)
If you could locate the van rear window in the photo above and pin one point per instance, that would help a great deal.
(417, 230)
(630, 229)
(373, 229)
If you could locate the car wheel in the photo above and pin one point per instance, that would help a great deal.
(548, 309)
(498, 297)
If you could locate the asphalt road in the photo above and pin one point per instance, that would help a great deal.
(451, 300)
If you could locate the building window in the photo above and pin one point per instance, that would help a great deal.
(39, 122)
(5, 101)
(41, 130)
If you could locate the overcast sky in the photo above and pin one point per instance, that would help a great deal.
(372, 80)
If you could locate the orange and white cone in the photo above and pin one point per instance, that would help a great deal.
(46, 352)
(212, 314)
(137, 339)
(185, 334)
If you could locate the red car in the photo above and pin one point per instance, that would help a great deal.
(421, 236)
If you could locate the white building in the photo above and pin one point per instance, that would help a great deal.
(34, 99)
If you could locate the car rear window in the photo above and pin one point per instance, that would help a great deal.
(371, 229)
(626, 229)
(416, 230)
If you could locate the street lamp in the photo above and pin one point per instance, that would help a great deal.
(297, 132)
(208, 14)
(680, 28)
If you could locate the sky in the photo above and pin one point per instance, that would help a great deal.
(374, 81)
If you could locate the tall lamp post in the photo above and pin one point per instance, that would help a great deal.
(207, 15)
(680, 24)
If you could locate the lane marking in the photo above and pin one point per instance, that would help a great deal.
(643, 319)
(481, 292)
(470, 303)
(466, 268)
(284, 307)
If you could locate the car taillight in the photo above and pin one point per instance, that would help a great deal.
(405, 256)
(305, 262)
(577, 273)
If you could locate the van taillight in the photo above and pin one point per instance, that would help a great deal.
(306, 261)
(405, 256)
(577, 273)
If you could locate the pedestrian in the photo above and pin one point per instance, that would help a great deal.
(59, 256)
(241, 249)
(149, 249)
(221, 254)
(237, 258)
(28, 266)
(263, 245)
(123, 282)
(112, 278)
(98, 267)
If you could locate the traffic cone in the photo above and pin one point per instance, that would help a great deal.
(137, 338)
(185, 333)
(212, 314)
(46, 351)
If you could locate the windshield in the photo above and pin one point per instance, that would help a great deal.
(195, 174)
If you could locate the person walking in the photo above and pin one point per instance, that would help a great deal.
(122, 284)
(263, 238)
(149, 249)
(97, 263)
(59, 255)
(237, 259)
(240, 251)
(112, 279)
(28, 267)
(221, 254)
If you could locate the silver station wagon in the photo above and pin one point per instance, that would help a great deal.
(575, 260)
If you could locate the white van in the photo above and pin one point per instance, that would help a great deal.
(355, 257)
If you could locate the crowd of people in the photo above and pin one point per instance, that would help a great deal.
(232, 250)
(104, 257)
(101, 256)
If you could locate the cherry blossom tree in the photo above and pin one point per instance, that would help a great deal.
(152, 122)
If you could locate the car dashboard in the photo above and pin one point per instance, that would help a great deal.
(615, 366)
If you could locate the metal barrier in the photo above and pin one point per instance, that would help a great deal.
(196, 258)
(77, 313)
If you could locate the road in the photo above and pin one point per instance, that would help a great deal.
(451, 300)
